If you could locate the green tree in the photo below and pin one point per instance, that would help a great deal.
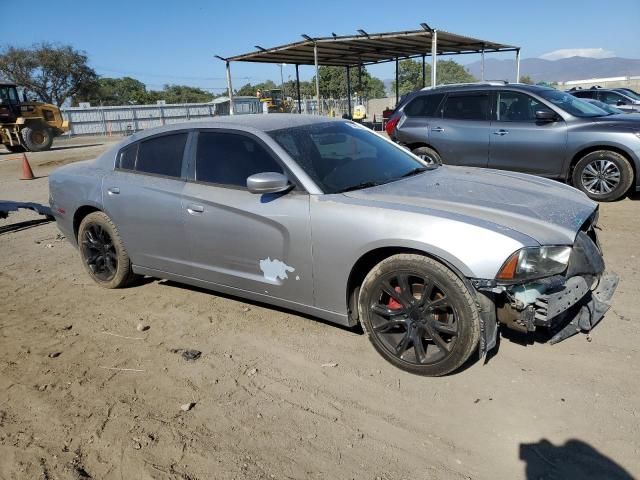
(182, 94)
(250, 90)
(410, 75)
(116, 91)
(53, 73)
(333, 83)
(526, 79)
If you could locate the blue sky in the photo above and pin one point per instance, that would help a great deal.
(163, 41)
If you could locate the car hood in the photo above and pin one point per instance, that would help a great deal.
(622, 119)
(547, 211)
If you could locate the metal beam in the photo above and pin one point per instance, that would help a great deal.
(298, 88)
(482, 64)
(349, 91)
(434, 57)
(315, 60)
(397, 82)
(518, 65)
(229, 88)
(424, 72)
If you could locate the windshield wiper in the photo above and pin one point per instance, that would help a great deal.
(360, 186)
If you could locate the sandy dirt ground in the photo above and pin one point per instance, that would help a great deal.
(279, 395)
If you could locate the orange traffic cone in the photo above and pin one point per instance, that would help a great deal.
(27, 173)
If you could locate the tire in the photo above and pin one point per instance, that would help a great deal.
(429, 155)
(37, 138)
(603, 175)
(15, 148)
(431, 334)
(102, 252)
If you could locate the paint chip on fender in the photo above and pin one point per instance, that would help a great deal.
(275, 269)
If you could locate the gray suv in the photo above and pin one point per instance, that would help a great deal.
(524, 128)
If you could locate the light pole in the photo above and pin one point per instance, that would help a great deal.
(282, 78)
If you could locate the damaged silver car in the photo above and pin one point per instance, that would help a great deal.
(325, 217)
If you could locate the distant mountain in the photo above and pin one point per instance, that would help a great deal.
(573, 68)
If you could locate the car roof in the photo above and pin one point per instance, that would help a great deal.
(262, 122)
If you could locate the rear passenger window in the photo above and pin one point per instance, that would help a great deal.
(423, 106)
(127, 159)
(229, 158)
(467, 107)
(162, 155)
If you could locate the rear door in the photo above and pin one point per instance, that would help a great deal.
(258, 243)
(419, 114)
(143, 198)
(521, 143)
(461, 133)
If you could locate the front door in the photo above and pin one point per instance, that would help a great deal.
(461, 135)
(521, 143)
(258, 243)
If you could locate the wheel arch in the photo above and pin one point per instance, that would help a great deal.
(594, 148)
(370, 259)
(415, 145)
(80, 214)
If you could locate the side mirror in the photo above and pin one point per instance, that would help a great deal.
(545, 116)
(268, 182)
(620, 103)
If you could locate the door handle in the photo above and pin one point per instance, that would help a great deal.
(501, 132)
(113, 191)
(194, 209)
(437, 129)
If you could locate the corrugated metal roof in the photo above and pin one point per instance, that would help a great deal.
(371, 48)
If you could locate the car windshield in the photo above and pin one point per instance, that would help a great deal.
(572, 105)
(628, 93)
(343, 156)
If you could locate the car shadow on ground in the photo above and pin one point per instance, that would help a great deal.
(575, 460)
(170, 283)
(61, 147)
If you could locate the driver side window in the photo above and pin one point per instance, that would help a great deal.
(517, 107)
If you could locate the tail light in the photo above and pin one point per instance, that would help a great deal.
(391, 124)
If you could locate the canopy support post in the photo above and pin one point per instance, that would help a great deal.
(434, 56)
(229, 88)
(315, 61)
(349, 91)
(397, 81)
(482, 64)
(424, 72)
(518, 65)
(298, 89)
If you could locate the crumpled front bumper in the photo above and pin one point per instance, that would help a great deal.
(576, 308)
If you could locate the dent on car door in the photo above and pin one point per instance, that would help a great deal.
(521, 142)
(255, 242)
(461, 134)
(143, 198)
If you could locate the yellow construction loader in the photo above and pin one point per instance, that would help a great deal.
(27, 126)
(274, 100)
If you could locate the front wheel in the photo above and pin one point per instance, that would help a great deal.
(419, 315)
(37, 138)
(102, 251)
(603, 175)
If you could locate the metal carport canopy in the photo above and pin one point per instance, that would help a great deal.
(367, 49)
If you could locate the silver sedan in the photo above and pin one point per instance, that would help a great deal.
(328, 218)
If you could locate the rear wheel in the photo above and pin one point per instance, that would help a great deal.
(103, 253)
(603, 175)
(429, 155)
(15, 148)
(419, 315)
(37, 138)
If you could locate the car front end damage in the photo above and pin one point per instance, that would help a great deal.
(564, 303)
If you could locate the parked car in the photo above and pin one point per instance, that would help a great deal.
(623, 98)
(525, 128)
(331, 219)
(603, 106)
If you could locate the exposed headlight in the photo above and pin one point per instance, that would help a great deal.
(534, 262)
